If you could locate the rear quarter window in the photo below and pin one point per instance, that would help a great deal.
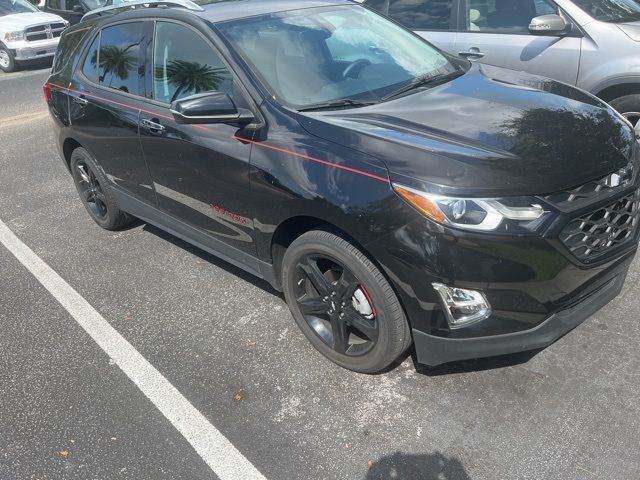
(68, 46)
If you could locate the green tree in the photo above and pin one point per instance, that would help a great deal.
(191, 77)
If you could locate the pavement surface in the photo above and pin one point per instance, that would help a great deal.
(228, 343)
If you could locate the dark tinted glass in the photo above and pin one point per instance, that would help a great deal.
(67, 47)
(118, 59)
(184, 64)
(613, 11)
(90, 67)
(505, 16)
(421, 14)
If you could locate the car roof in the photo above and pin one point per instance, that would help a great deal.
(224, 10)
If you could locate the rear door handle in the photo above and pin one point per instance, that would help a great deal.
(471, 53)
(152, 126)
(80, 100)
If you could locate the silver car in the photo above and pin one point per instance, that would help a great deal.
(593, 44)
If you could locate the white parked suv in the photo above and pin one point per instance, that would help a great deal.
(26, 33)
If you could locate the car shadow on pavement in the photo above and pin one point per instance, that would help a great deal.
(401, 466)
(207, 257)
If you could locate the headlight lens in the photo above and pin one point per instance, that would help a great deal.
(14, 36)
(472, 213)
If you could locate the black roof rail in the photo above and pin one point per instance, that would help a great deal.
(135, 4)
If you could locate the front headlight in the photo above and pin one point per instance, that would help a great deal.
(14, 36)
(486, 214)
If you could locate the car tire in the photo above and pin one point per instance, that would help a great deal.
(373, 310)
(92, 186)
(629, 106)
(7, 62)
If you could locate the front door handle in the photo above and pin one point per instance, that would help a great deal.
(80, 100)
(473, 53)
(152, 126)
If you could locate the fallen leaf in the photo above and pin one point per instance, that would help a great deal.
(251, 343)
(72, 440)
(370, 464)
(64, 453)
(239, 395)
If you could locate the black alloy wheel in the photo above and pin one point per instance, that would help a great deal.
(343, 303)
(336, 305)
(91, 184)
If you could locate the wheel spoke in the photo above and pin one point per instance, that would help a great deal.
(340, 335)
(100, 196)
(87, 194)
(312, 306)
(347, 286)
(83, 174)
(363, 325)
(315, 276)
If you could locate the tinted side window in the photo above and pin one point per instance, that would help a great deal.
(416, 14)
(90, 67)
(184, 64)
(54, 4)
(67, 47)
(118, 59)
(505, 16)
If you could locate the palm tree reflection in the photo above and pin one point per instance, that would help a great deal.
(190, 77)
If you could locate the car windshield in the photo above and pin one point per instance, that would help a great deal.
(344, 55)
(613, 11)
(9, 7)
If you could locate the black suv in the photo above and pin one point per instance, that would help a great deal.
(396, 194)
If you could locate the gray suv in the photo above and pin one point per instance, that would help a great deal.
(593, 44)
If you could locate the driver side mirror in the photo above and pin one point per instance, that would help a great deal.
(211, 107)
(550, 25)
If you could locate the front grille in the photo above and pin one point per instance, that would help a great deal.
(45, 31)
(598, 232)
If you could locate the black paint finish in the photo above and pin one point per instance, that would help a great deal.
(240, 191)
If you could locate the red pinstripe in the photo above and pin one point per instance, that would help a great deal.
(241, 139)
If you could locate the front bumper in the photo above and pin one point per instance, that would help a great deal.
(432, 350)
(23, 50)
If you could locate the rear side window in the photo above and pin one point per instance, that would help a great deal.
(114, 58)
(185, 64)
(417, 14)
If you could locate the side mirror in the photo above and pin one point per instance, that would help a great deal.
(211, 107)
(77, 8)
(551, 25)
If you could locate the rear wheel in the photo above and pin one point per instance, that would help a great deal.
(7, 63)
(629, 106)
(343, 303)
(97, 199)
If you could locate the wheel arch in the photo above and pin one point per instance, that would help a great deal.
(68, 146)
(617, 90)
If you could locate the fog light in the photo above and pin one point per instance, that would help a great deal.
(463, 307)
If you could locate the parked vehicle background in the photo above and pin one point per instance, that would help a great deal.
(593, 44)
(26, 33)
(74, 10)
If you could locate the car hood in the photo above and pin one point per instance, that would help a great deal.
(19, 21)
(490, 132)
(631, 29)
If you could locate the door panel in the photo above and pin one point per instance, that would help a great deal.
(498, 31)
(200, 172)
(105, 106)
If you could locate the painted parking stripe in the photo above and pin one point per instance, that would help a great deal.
(214, 448)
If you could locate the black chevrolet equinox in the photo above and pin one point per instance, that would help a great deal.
(399, 196)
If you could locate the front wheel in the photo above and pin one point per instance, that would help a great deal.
(7, 63)
(628, 106)
(343, 304)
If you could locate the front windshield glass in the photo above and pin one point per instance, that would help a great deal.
(613, 11)
(8, 7)
(322, 55)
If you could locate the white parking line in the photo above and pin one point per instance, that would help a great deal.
(214, 448)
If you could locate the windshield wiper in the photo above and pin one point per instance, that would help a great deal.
(423, 81)
(343, 102)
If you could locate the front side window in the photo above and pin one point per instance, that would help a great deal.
(505, 16)
(331, 53)
(113, 60)
(184, 64)
(9, 7)
(612, 11)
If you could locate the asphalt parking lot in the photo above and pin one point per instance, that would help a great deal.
(228, 344)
